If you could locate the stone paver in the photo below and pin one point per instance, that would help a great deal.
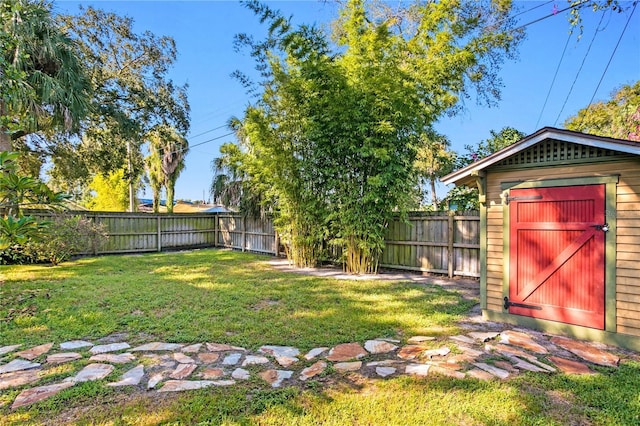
(385, 371)
(191, 349)
(7, 349)
(508, 351)
(379, 346)
(111, 347)
(348, 366)
(479, 374)
(183, 385)
(30, 396)
(18, 378)
(183, 371)
(279, 351)
(568, 366)
(417, 369)
(587, 351)
(436, 369)
(522, 340)
(384, 362)
(498, 372)
(254, 359)
(463, 339)
(62, 357)
(286, 361)
(443, 351)
(155, 379)
(35, 352)
(208, 357)
(314, 353)
(75, 344)
(312, 371)
(18, 365)
(130, 378)
(114, 358)
(232, 359)
(411, 351)
(183, 359)
(524, 365)
(241, 374)
(212, 373)
(219, 347)
(346, 352)
(92, 372)
(157, 346)
(275, 377)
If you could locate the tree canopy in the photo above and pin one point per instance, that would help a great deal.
(618, 117)
(331, 143)
(44, 87)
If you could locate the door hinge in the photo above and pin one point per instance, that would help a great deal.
(508, 304)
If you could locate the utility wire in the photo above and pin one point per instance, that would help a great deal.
(610, 59)
(554, 78)
(554, 13)
(566, 99)
(208, 131)
(202, 143)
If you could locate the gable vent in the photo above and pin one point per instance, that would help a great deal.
(556, 152)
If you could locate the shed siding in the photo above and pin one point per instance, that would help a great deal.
(628, 233)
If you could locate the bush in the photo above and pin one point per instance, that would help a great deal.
(64, 237)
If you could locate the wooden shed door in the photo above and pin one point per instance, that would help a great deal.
(557, 254)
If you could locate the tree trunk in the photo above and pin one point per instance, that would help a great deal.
(434, 197)
(169, 188)
(5, 137)
(156, 200)
(5, 141)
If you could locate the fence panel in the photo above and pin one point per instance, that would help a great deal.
(438, 242)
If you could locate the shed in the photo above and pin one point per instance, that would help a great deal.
(560, 235)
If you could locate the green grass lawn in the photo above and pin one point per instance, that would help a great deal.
(236, 298)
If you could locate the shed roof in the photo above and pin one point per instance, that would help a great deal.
(463, 175)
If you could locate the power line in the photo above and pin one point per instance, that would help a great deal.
(213, 139)
(611, 57)
(579, 70)
(554, 13)
(523, 12)
(208, 131)
(554, 78)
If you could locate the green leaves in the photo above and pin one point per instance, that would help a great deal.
(619, 117)
(332, 142)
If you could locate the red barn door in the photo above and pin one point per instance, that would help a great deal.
(557, 254)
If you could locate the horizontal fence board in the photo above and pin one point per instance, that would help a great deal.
(421, 242)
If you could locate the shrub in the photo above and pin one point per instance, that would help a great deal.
(64, 237)
(67, 236)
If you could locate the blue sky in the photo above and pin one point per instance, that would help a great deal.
(204, 31)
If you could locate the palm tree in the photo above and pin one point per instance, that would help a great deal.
(41, 70)
(156, 178)
(171, 148)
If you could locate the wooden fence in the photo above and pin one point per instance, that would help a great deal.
(443, 243)
(439, 243)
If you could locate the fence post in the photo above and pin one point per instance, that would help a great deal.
(159, 234)
(244, 232)
(450, 268)
(215, 230)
